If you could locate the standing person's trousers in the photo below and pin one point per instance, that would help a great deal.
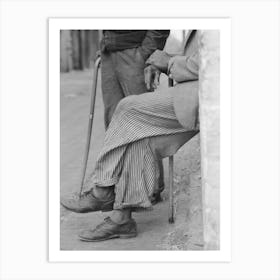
(122, 74)
(143, 130)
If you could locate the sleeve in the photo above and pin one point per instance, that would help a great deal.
(154, 40)
(186, 68)
(192, 66)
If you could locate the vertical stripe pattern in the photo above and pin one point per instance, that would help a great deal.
(126, 159)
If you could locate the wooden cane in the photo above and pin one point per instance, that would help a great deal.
(171, 180)
(171, 190)
(90, 122)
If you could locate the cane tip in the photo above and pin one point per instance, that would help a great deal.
(171, 220)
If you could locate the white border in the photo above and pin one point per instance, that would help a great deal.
(55, 254)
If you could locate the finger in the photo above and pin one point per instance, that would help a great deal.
(148, 79)
(145, 78)
(156, 80)
(145, 74)
(147, 82)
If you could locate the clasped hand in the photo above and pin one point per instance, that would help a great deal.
(157, 63)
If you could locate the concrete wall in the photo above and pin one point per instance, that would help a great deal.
(209, 95)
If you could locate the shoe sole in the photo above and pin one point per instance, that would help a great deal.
(121, 236)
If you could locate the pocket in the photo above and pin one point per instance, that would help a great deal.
(132, 57)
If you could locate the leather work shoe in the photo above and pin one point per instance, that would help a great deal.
(87, 202)
(108, 230)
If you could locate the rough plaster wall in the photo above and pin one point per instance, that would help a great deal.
(209, 95)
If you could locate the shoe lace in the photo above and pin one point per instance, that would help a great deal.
(86, 193)
(102, 224)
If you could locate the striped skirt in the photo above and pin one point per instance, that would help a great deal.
(127, 159)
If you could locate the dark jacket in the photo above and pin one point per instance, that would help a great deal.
(147, 40)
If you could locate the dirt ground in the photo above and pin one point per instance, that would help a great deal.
(154, 231)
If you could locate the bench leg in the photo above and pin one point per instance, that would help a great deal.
(171, 190)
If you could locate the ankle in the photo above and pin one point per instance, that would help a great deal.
(103, 192)
(121, 216)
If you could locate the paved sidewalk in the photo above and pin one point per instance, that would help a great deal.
(154, 231)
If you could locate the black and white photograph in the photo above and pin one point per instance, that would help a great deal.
(141, 119)
(140, 139)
